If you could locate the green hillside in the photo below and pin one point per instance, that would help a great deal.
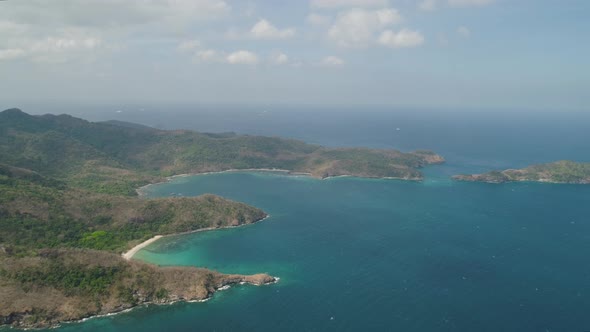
(68, 208)
(116, 158)
(564, 171)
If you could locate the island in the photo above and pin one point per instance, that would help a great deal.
(557, 172)
(71, 217)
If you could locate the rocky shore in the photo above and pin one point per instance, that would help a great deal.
(27, 305)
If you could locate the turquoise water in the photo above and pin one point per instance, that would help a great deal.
(357, 254)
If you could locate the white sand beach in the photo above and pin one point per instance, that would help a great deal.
(128, 255)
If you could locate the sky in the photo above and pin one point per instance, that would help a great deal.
(465, 54)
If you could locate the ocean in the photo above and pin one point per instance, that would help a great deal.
(372, 255)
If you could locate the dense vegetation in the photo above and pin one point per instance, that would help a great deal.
(36, 213)
(60, 285)
(68, 208)
(116, 158)
(558, 172)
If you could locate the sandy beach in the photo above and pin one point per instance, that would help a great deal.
(128, 255)
(141, 190)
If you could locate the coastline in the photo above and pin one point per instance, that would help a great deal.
(128, 255)
(141, 190)
(145, 304)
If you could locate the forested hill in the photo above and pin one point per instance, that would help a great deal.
(67, 209)
(116, 157)
(563, 171)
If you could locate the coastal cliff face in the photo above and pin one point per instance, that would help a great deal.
(557, 172)
(60, 285)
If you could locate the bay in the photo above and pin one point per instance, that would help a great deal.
(365, 254)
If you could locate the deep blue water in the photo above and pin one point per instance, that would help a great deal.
(358, 254)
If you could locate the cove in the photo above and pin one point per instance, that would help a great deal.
(367, 254)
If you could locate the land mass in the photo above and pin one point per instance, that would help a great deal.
(59, 285)
(116, 157)
(69, 208)
(59, 249)
(557, 172)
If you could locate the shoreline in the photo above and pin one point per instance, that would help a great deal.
(146, 304)
(141, 190)
(128, 255)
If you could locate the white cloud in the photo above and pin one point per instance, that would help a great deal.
(427, 5)
(466, 3)
(464, 31)
(242, 57)
(63, 49)
(358, 27)
(8, 28)
(318, 19)
(189, 45)
(347, 3)
(209, 56)
(403, 38)
(113, 12)
(279, 59)
(11, 53)
(430, 5)
(63, 45)
(332, 61)
(263, 29)
(64, 30)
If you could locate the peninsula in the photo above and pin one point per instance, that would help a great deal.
(557, 172)
(69, 209)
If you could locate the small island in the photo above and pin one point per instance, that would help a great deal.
(71, 217)
(557, 172)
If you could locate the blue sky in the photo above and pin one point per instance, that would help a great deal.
(467, 54)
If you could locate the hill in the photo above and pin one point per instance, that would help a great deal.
(68, 208)
(557, 172)
(112, 158)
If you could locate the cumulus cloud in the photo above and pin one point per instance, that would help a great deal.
(464, 31)
(62, 45)
(242, 58)
(64, 48)
(11, 53)
(189, 45)
(65, 30)
(428, 5)
(209, 55)
(332, 61)
(357, 27)
(403, 38)
(263, 29)
(347, 3)
(466, 3)
(279, 59)
(113, 12)
(318, 19)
